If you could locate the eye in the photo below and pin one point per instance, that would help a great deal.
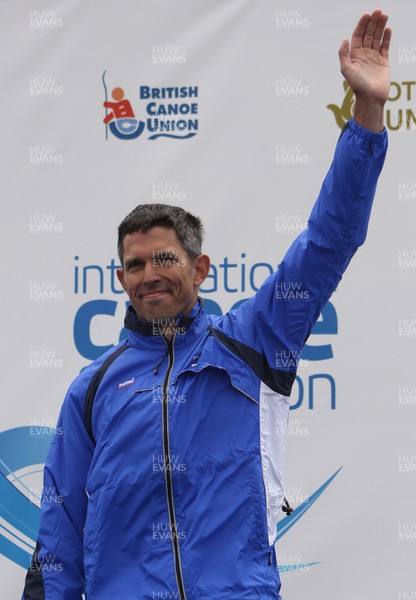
(134, 265)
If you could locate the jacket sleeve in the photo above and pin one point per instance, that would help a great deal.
(276, 322)
(56, 570)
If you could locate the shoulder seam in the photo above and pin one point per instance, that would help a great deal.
(94, 385)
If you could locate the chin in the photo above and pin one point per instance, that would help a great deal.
(158, 313)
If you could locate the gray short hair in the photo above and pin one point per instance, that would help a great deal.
(188, 228)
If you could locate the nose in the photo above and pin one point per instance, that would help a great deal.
(150, 273)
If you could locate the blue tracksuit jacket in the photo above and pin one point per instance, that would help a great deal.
(167, 464)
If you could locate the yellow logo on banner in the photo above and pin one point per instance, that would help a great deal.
(343, 113)
(400, 119)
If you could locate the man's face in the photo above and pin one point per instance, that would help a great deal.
(158, 276)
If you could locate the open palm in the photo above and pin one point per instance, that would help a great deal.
(365, 65)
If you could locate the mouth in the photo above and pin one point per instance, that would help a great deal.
(154, 294)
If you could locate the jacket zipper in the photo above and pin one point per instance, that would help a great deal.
(168, 473)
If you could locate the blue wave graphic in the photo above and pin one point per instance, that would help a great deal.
(287, 522)
(19, 449)
(169, 135)
(298, 567)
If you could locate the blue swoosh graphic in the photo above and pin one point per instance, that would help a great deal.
(20, 449)
(297, 567)
(169, 135)
(287, 522)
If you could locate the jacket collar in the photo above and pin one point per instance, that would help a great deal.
(146, 328)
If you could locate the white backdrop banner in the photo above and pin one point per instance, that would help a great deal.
(230, 109)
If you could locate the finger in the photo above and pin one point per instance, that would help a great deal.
(358, 33)
(368, 37)
(384, 50)
(378, 34)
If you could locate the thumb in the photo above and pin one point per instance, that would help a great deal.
(344, 53)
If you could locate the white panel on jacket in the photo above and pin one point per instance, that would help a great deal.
(274, 415)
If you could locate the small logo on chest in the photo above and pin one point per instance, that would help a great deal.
(126, 383)
(195, 359)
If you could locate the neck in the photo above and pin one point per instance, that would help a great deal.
(166, 326)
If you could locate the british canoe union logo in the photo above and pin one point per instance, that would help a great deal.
(170, 112)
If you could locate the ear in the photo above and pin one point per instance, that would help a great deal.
(120, 276)
(201, 268)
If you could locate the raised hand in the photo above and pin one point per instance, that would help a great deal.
(365, 66)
